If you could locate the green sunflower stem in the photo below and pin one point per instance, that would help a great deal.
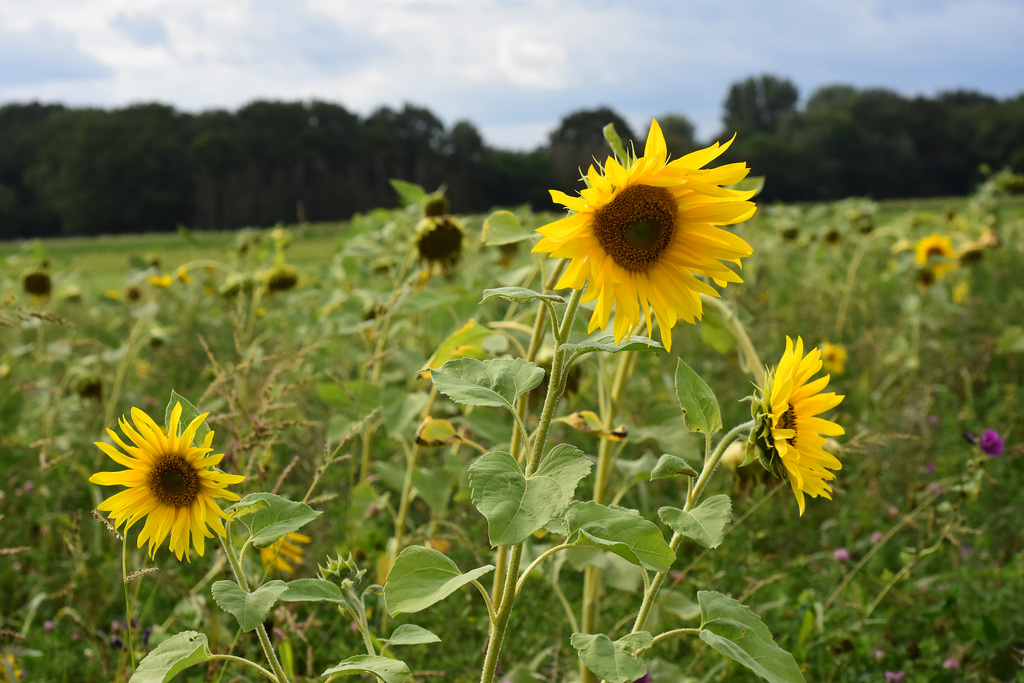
(261, 631)
(499, 624)
(740, 332)
(127, 602)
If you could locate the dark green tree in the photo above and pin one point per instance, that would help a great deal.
(759, 104)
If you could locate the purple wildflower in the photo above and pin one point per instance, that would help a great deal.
(951, 663)
(48, 625)
(645, 679)
(894, 676)
(879, 655)
(876, 536)
(841, 555)
(146, 632)
(991, 444)
(116, 642)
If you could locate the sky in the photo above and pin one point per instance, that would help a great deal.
(513, 68)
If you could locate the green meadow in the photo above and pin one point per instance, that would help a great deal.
(305, 344)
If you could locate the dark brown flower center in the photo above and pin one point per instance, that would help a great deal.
(935, 251)
(788, 421)
(174, 482)
(637, 226)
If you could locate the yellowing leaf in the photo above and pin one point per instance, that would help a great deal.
(588, 421)
(467, 341)
(434, 433)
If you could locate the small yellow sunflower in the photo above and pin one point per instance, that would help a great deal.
(170, 482)
(789, 431)
(284, 553)
(162, 281)
(935, 252)
(639, 236)
(834, 357)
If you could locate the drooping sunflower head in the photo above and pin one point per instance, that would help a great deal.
(935, 253)
(284, 553)
(280, 278)
(439, 242)
(171, 483)
(787, 426)
(643, 234)
(37, 283)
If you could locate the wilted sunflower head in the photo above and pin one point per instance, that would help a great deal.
(280, 278)
(643, 236)
(935, 253)
(439, 242)
(37, 283)
(787, 427)
(89, 386)
(436, 204)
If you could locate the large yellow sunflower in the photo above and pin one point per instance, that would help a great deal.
(789, 431)
(170, 482)
(642, 233)
(935, 252)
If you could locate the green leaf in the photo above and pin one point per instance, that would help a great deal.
(700, 407)
(388, 670)
(502, 227)
(520, 294)
(250, 609)
(172, 656)
(280, 516)
(411, 634)
(516, 506)
(236, 512)
(607, 344)
(705, 523)
(671, 466)
(615, 662)
(466, 341)
(421, 577)
(621, 531)
(737, 633)
(408, 193)
(312, 590)
(494, 382)
(611, 136)
(188, 413)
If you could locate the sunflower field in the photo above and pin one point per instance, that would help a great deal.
(671, 435)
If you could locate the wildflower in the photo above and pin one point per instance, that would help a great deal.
(841, 555)
(834, 357)
(935, 253)
(951, 663)
(640, 235)
(876, 536)
(788, 429)
(894, 676)
(285, 552)
(170, 482)
(182, 275)
(160, 280)
(439, 242)
(991, 444)
(48, 625)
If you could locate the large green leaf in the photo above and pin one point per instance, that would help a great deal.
(607, 344)
(697, 401)
(520, 295)
(705, 523)
(388, 670)
(494, 382)
(421, 577)
(616, 661)
(737, 633)
(312, 590)
(516, 506)
(620, 530)
(502, 227)
(250, 609)
(671, 466)
(280, 516)
(171, 657)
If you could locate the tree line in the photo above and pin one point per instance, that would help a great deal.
(148, 167)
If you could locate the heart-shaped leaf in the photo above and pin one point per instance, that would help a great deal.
(615, 661)
(250, 609)
(171, 657)
(607, 344)
(620, 530)
(697, 401)
(493, 382)
(421, 577)
(520, 295)
(312, 590)
(411, 634)
(388, 670)
(279, 517)
(671, 466)
(502, 227)
(737, 633)
(705, 523)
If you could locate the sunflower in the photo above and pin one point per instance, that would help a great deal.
(639, 236)
(285, 552)
(439, 242)
(936, 253)
(789, 431)
(834, 356)
(170, 482)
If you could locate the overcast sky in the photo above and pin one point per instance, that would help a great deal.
(514, 68)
